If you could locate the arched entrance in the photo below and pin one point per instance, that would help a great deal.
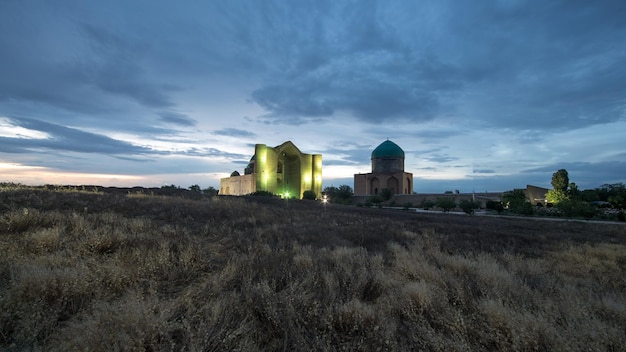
(289, 171)
(374, 185)
(393, 185)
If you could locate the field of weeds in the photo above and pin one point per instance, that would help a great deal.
(85, 270)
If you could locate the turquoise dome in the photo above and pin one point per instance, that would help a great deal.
(388, 149)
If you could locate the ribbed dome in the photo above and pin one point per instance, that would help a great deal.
(388, 149)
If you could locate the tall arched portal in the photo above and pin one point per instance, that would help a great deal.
(289, 177)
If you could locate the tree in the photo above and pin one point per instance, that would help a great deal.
(562, 188)
(556, 196)
(210, 191)
(613, 193)
(516, 201)
(445, 203)
(560, 180)
(469, 206)
(341, 194)
(589, 195)
(170, 187)
(195, 188)
(345, 192)
(573, 191)
(617, 201)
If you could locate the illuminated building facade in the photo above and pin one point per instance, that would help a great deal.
(282, 170)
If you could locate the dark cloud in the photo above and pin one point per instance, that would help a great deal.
(177, 119)
(367, 85)
(436, 135)
(234, 132)
(58, 68)
(115, 67)
(63, 138)
(518, 65)
(585, 172)
(551, 67)
(352, 153)
(214, 152)
(377, 69)
(483, 171)
(440, 158)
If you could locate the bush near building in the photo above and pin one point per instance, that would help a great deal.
(445, 203)
(469, 206)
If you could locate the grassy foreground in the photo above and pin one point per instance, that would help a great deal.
(94, 271)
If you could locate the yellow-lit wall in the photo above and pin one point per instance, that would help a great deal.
(306, 176)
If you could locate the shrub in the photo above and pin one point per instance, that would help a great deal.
(495, 205)
(524, 208)
(375, 200)
(446, 203)
(309, 194)
(575, 208)
(210, 191)
(386, 194)
(469, 206)
(516, 202)
(427, 204)
(262, 194)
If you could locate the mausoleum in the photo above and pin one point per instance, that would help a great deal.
(387, 172)
(283, 170)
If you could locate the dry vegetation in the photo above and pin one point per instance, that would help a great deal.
(93, 271)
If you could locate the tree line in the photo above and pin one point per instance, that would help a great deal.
(566, 199)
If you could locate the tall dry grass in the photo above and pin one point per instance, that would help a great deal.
(97, 271)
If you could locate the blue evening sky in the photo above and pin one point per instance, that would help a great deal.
(481, 95)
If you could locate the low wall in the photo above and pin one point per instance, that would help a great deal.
(417, 199)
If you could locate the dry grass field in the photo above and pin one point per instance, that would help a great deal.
(93, 271)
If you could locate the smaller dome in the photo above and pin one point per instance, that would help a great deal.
(235, 173)
(388, 149)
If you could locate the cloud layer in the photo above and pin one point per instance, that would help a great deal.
(489, 86)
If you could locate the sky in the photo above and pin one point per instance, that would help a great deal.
(481, 95)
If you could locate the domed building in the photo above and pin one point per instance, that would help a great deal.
(387, 172)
